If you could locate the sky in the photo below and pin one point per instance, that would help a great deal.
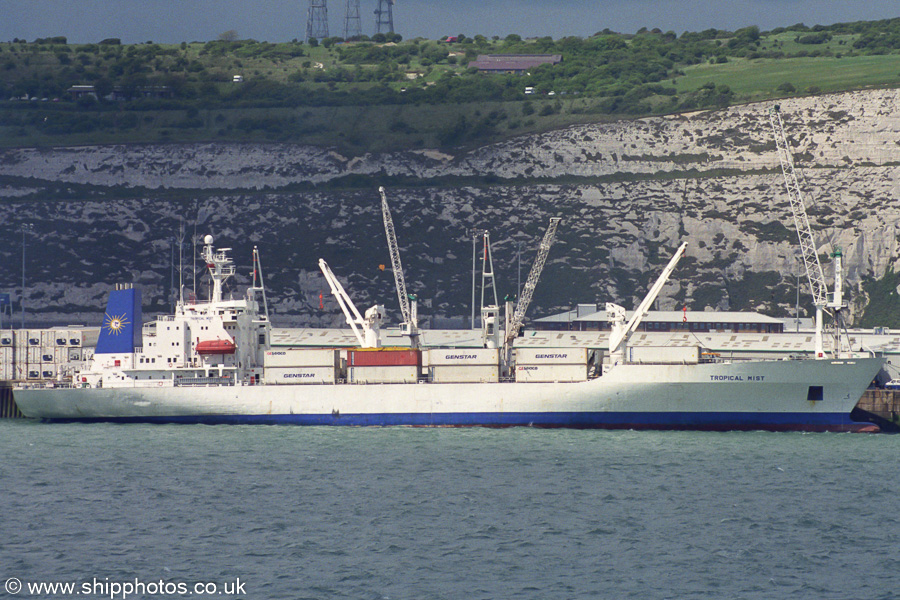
(173, 21)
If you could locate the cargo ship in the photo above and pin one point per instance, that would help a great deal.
(211, 362)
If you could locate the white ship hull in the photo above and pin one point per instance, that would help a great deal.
(770, 395)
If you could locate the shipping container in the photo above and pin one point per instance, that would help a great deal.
(61, 355)
(33, 355)
(6, 338)
(88, 337)
(461, 356)
(551, 356)
(48, 338)
(551, 373)
(384, 357)
(7, 364)
(464, 374)
(74, 355)
(302, 357)
(299, 375)
(664, 354)
(383, 374)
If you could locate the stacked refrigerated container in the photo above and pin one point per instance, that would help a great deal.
(383, 365)
(463, 365)
(551, 364)
(39, 354)
(301, 365)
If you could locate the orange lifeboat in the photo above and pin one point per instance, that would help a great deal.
(215, 347)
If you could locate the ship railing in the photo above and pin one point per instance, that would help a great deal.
(43, 385)
(203, 381)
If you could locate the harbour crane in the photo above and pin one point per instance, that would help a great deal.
(822, 299)
(408, 305)
(615, 314)
(518, 318)
(374, 316)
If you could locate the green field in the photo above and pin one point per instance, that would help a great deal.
(756, 79)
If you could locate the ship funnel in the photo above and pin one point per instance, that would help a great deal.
(120, 332)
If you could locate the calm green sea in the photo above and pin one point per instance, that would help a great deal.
(372, 513)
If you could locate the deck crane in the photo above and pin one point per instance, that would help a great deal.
(372, 321)
(814, 273)
(408, 308)
(518, 318)
(620, 334)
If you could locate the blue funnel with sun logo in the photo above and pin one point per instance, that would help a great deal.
(120, 332)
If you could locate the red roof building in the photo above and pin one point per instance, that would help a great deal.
(513, 63)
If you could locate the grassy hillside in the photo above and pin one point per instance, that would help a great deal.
(383, 94)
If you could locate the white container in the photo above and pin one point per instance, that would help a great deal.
(61, 355)
(7, 339)
(299, 375)
(7, 372)
(33, 355)
(302, 357)
(86, 337)
(391, 374)
(461, 356)
(551, 356)
(664, 354)
(551, 373)
(464, 374)
(20, 337)
(48, 338)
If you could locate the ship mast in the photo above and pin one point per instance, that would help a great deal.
(220, 267)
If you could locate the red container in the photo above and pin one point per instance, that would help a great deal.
(384, 357)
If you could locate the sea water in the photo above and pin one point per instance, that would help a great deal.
(402, 513)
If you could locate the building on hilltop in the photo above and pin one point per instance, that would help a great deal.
(517, 64)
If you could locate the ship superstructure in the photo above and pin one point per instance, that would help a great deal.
(214, 342)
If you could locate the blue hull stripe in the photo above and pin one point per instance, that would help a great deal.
(585, 420)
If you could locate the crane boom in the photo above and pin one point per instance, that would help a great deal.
(349, 309)
(620, 335)
(814, 272)
(394, 250)
(518, 318)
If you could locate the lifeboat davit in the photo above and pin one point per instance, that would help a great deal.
(215, 347)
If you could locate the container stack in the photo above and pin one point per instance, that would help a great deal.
(551, 365)
(466, 365)
(301, 365)
(383, 365)
(37, 354)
